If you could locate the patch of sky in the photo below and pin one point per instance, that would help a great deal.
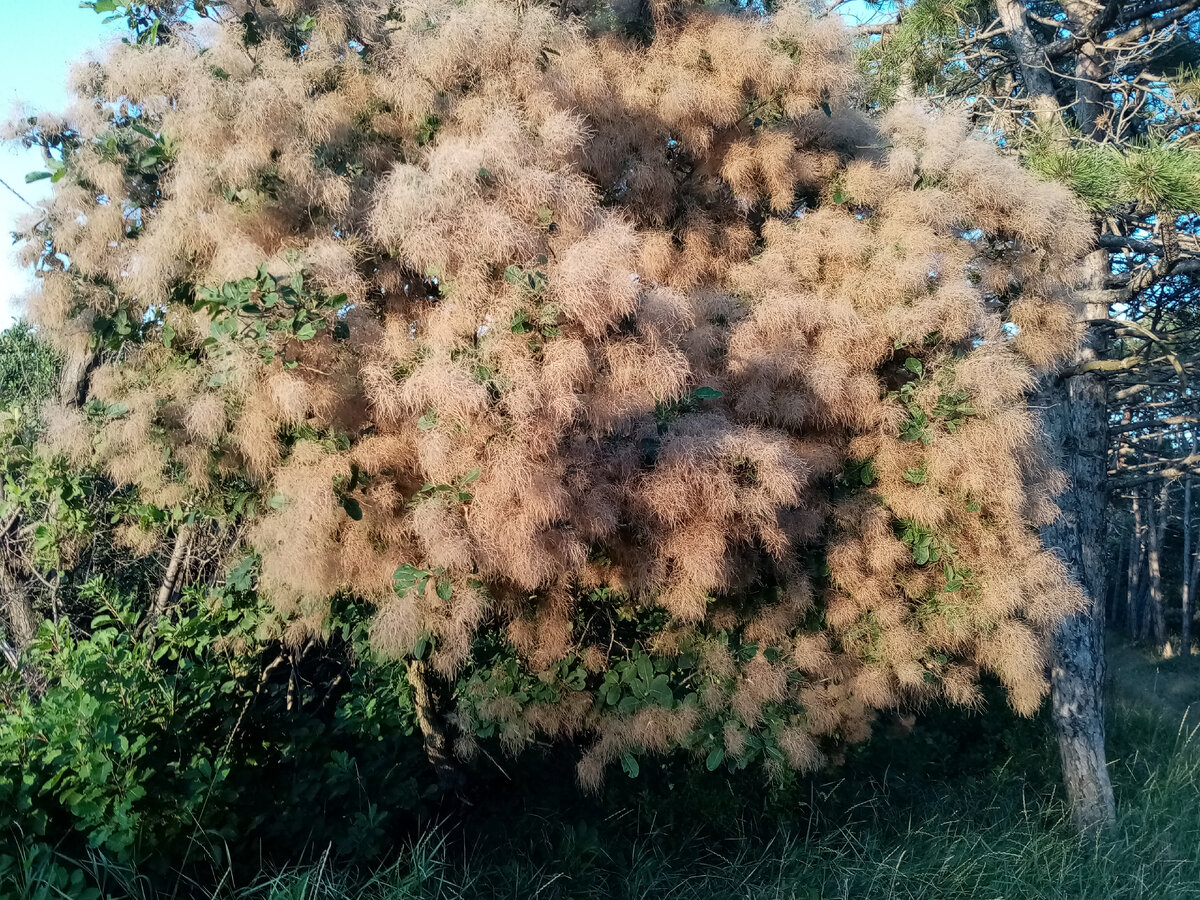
(38, 43)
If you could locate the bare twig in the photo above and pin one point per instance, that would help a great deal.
(17, 194)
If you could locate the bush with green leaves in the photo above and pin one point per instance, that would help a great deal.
(204, 738)
(28, 368)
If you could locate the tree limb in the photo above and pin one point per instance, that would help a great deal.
(1035, 70)
(163, 600)
(1157, 423)
(1070, 44)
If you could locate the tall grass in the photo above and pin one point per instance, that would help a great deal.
(996, 837)
(986, 842)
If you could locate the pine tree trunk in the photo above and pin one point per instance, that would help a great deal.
(1035, 68)
(1076, 421)
(1185, 602)
(1154, 607)
(1112, 610)
(1077, 425)
(1134, 579)
(1141, 630)
(1193, 577)
(1144, 607)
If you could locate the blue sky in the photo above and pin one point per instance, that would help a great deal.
(39, 39)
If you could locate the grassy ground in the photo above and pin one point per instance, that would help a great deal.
(958, 808)
(997, 838)
(1138, 675)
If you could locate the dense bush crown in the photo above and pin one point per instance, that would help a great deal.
(649, 391)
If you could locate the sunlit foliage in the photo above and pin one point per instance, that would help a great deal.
(653, 395)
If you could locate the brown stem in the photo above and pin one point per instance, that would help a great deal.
(166, 590)
(433, 726)
(18, 611)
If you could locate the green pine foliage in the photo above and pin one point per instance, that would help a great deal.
(1153, 176)
(1092, 171)
(1161, 177)
(918, 51)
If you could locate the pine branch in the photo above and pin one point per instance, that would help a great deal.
(1150, 275)
(1070, 44)
(1145, 10)
(17, 194)
(879, 28)
(1156, 423)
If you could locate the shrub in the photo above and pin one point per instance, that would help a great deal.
(650, 395)
(205, 741)
(28, 369)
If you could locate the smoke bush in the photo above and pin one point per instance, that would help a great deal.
(655, 396)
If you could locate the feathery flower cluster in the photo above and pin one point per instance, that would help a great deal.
(698, 393)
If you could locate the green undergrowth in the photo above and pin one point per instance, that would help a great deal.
(955, 807)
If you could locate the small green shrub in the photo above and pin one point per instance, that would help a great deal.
(28, 368)
(209, 741)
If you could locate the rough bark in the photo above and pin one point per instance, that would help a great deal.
(1089, 65)
(22, 624)
(1035, 70)
(18, 611)
(1194, 577)
(1077, 426)
(1116, 582)
(433, 725)
(74, 378)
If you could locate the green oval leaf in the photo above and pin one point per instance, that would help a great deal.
(630, 764)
